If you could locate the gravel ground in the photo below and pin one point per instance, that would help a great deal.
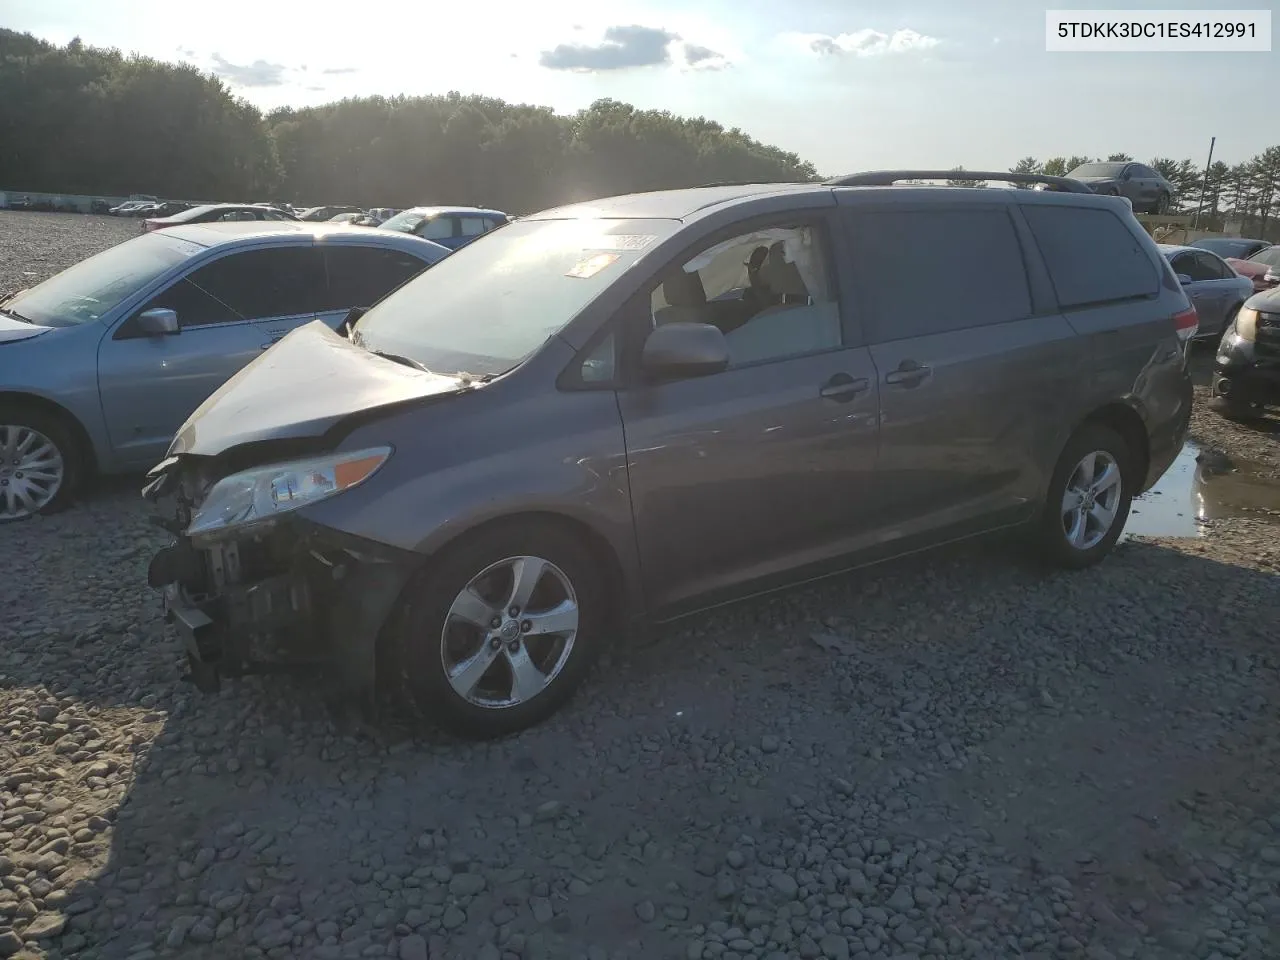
(949, 756)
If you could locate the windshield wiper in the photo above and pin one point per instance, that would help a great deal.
(407, 361)
(17, 316)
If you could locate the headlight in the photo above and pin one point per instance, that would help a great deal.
(258, 495)
(1247, 324)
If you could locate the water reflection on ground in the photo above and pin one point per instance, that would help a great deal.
(1192, 493)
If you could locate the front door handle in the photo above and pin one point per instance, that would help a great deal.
(842, 388)
(910, 373)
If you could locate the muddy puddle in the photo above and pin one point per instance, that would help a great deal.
(1191, 494)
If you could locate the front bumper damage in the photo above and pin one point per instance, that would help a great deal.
(284, 596)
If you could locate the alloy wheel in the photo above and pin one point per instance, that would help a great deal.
(32, 471)
(509, 632)
(1091, 500)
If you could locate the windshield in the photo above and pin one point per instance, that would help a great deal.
(1226, 246)
(1097, 170)
(1270, 256)
(484, 308)
(86, 291)
(405, 222)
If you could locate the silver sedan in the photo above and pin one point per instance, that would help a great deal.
(1215, 290)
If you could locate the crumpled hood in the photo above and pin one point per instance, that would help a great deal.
(1265, 302)
(13, 330)
(298, 389)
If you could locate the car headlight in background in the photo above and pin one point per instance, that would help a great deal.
(1247, 324)
(258, 495)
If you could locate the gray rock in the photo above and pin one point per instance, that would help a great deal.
(645, 911)
(11, 943)
(834, 947)
(901, 900)
(466, 884)
(413, 947)
(785, 885)
(46, 926)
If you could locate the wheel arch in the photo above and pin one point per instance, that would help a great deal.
(1126, 421)
(84, 443)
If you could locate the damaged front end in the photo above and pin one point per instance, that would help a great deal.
(253, 587)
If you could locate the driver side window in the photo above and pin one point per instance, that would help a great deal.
(767, 290)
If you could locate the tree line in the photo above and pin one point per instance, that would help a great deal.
(84, 120)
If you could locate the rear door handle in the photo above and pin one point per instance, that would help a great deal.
(909, 374)
(842, 388)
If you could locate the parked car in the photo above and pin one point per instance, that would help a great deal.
(642, 406)
(1246, 373)
(20, 203)
(357, 219)
(451, 226)
(100, 364)
(1146, 189)
(129, 206)
(1216, 291)
(1238, 247)
(1262, 267)
(320, 214)
(382, 214)
(218, 213)
(99, 206)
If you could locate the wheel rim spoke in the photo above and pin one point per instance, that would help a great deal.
(525, 574)
(466, 676)
(563, 618)
(1107, 480)
(527, 681)
(473, 608)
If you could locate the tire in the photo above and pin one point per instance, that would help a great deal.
(1054, 535)
(48, 444)
(432, 641)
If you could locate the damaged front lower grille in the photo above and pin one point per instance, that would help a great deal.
(274, 597)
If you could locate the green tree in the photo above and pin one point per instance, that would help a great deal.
(1119, 158)
(959, 181)
(1027, 165)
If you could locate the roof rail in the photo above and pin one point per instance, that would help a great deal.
(886, 178)
(747, 183)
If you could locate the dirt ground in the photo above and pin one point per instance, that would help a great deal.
(955, 755)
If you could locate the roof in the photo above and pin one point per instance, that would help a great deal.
(435, 211)
(667, 204)
(286, 231)
(1170, 249)
(694, 201)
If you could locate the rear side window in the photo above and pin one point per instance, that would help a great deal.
(970, 261)
(1091, 255)
(361, 276)
(474, 226)
(439, 228)
(258, 284)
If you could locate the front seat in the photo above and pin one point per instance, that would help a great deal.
(794, 325)
(686, 300)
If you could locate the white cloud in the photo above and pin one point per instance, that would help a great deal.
(864, 43)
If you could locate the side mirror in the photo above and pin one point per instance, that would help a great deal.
(677, 350)
(1184, 279)
(158, 322)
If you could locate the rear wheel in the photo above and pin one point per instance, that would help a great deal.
(502, 629)
(1089, 498)
(39, 463)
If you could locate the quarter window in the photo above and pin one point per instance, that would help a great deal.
(923, 272)
(766, 290)
(1091, 255)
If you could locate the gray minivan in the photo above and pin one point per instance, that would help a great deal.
(638, 407)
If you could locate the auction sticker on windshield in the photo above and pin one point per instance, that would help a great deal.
(590, 266)
(625, 241)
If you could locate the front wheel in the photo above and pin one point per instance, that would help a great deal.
(39, 463)
(499, 632)
(1089, 498)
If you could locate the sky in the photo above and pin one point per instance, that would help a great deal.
(845, 84)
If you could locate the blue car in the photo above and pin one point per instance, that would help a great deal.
(100, 364)
(452, 227)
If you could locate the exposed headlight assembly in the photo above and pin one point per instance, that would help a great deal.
(259, 495)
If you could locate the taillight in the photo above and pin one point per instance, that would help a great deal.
(1186, 323)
